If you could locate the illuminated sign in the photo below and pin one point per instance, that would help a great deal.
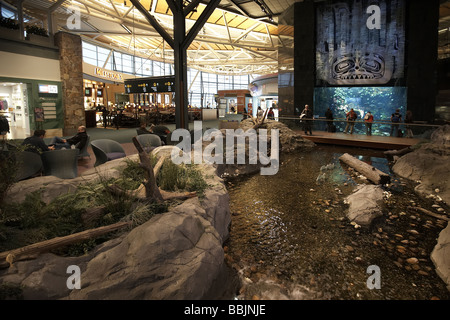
(108, 74)
(150, 85)
(48, 88)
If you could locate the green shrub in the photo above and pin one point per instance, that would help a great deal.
(181, 178)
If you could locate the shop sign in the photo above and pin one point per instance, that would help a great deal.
(108, 74)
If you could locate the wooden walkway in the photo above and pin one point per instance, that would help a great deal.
(360, 140)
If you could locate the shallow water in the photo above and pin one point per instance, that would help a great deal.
(290, 239)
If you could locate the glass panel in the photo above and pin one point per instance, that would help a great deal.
(147, 67)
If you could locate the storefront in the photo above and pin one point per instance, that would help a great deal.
(264, 92)
(28, 83)
(29, 105)
(233, 102)
(102, 89)
(14, 107)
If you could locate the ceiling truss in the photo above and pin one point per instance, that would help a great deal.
(229, 42)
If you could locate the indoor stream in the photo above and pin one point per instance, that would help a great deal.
(290, 238)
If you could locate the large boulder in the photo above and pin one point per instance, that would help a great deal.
(289, 141)
(51, 187)
(174, 255)
(441, 256)
(428, 165)
(365, 204)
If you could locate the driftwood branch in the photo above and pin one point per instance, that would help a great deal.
(259, 122)
(391, 153)
(370, 172)
(45, 246)
(177, 195)
(428, 212)
(151, 188)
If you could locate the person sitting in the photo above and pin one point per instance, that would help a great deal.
(142, 129)
(36, 143)
(161, 131)
(79, 140)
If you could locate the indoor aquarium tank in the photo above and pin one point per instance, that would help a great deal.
(380, 101)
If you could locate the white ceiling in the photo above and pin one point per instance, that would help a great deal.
(240, 37)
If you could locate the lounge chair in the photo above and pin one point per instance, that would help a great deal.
(106, 150)
(149, 141)
(84, 152)
(61, 163)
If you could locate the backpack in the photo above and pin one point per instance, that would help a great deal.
(395, 117)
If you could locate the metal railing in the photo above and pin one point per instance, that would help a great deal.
(419, 129)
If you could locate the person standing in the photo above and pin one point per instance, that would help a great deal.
(306, 116)
(329, 118)
(271, 114)
(351, 118)
(368, 119)
(396, 118)
(260, 113)
(408, 119)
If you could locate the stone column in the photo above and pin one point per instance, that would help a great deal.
(71, 65)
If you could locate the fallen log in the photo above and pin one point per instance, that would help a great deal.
(370, 172)
(177, 195)
(428, 212)
(47, 245)
(391, 153)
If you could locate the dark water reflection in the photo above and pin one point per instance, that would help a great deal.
(290, 238)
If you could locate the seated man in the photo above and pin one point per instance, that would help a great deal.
(36, 143)
(161, 131)
(79, 140)
(142, 129)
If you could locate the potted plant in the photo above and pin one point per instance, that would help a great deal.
(36, 30)
(8, 23)
(9, 29)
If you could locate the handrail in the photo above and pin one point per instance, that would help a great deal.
(364, 122)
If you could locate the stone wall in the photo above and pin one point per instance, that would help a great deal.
(71, 64)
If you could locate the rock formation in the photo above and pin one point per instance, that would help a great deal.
(428, 164)
(366, 204)
(174, 255)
